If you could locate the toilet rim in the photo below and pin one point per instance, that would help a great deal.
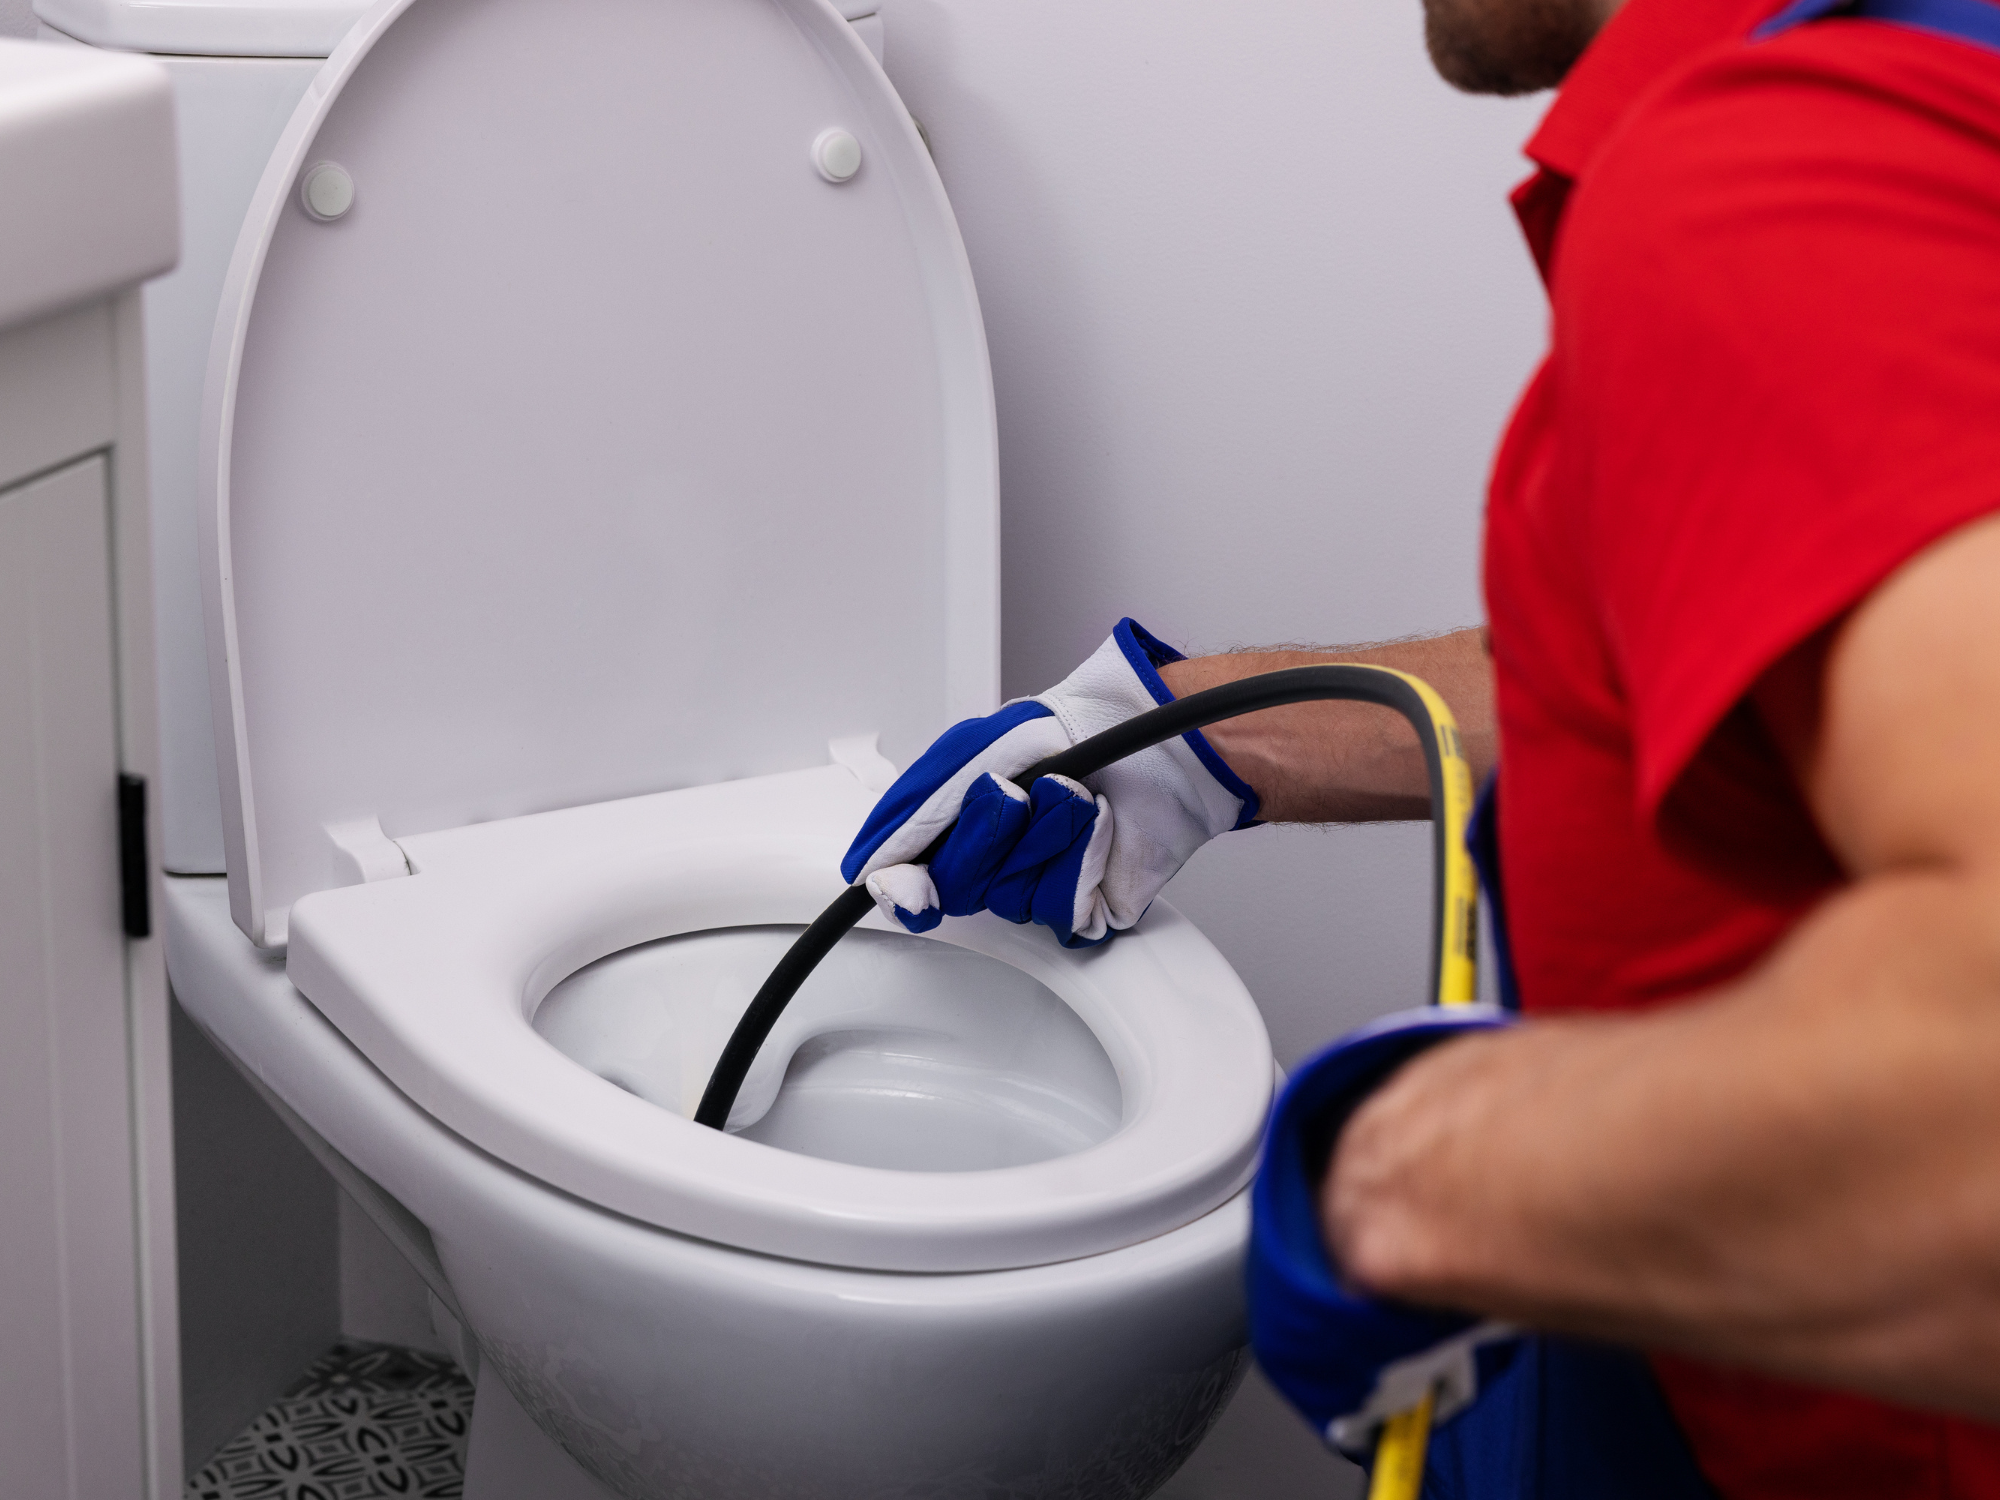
(435, 979)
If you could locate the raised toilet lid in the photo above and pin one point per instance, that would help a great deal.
(592, 438)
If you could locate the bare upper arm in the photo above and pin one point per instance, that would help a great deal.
(1890, 717)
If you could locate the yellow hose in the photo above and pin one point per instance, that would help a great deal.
(1399, 1452)
(1458, 960)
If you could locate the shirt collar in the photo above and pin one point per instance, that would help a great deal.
(1637, 47)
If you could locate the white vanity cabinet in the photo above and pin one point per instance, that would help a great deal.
(89, 1406)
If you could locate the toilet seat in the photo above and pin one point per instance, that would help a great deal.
(436, 977)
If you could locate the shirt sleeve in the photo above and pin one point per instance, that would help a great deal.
(1777, 338)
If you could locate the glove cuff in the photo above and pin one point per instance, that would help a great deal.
(1147, 653)
(1301, 1310)
(1094, 690)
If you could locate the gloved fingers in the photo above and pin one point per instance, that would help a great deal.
(1061, 817)
(925, 799)
(991, 821)
(1069, 898)
(904, 894)
(1033, 857)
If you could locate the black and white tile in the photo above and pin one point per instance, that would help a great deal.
(366, 1420)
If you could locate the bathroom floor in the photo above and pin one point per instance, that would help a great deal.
(365, 1420)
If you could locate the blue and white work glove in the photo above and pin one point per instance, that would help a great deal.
(1055, 853)
(1346, 1360)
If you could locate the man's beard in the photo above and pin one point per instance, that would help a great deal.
(1507, 46)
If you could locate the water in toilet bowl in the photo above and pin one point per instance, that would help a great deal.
(901, 1052)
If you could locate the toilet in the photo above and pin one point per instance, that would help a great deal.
(598, 499)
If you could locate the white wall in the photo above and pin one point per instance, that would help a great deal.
(1257, 310)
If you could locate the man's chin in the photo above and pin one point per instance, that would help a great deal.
(1506, 46)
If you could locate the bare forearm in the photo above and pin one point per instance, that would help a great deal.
(1800, 1173)
(1346, 762)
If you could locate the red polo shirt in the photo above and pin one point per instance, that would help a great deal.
(1774, 376)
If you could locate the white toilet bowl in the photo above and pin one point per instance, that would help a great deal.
(591, 449)
(438, 978)
(673, 1363)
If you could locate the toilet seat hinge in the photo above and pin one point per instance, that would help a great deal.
(858, 752)
(363, 853)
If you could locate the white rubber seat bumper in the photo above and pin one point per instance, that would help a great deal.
(435, 978)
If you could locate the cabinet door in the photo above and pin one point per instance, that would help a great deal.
(69, 1276)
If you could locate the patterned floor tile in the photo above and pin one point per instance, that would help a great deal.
(365, 1421)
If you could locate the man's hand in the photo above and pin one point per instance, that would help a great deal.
(1082, 860)
(1350, 1362)
(1801, 1171)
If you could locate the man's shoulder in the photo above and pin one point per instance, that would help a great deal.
(1835, 109)
(1838, 143)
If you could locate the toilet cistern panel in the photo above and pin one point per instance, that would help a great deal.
(209, 28)
(599, 405)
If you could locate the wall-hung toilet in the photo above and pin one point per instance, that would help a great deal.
(599, 454)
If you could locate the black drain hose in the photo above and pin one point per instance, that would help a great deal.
(1452, 890)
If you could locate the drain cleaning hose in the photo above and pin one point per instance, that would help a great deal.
(1454, 889)
(1399, 1455)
